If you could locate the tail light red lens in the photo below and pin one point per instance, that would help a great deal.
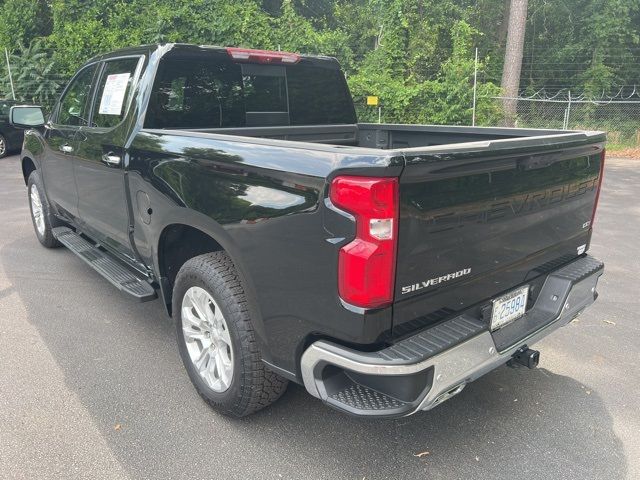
(595, 204)
(366, 266)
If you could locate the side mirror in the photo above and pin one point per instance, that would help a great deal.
(25, 116)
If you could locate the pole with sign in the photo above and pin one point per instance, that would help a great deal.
(373, 101)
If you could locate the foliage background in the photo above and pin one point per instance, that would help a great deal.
(416, 55)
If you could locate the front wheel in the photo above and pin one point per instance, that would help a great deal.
(216, 338)
(43, 220)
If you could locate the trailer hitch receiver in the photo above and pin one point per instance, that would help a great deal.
(526, 357)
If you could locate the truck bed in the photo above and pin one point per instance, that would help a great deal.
(382, 136)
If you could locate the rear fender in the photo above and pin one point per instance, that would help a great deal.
(206, 225)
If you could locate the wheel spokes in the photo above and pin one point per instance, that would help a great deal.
(223, 369)
(207, 338)
(193, 335)
(192, 320)
(202, 361)
(223, 335)
(198, 305)
(36, 209)
(35, 200)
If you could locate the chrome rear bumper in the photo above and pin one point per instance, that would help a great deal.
(426, 369)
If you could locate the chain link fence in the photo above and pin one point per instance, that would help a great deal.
(620, 119)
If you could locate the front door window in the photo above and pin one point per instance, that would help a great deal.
(74, 105)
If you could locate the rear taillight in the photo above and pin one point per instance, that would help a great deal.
(366, 266)
(595, 205)
(262, 56)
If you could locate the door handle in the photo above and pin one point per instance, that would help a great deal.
(66, 148)
(111, 159)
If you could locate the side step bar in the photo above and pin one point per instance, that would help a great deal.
(117, 274)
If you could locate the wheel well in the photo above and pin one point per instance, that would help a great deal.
(179, 243)
(27, 167)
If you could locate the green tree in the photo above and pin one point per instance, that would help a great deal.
(409, 97)
(23, 20)
(32, 71)
(415, 54)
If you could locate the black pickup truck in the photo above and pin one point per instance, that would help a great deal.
(383, 267)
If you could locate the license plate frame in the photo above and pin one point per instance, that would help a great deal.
(509, 307)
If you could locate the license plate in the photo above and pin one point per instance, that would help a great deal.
(509, 307)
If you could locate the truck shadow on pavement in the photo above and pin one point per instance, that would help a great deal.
(120, 359)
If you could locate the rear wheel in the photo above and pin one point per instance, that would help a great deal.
(3, 146)
(43, 220)
(216, 338)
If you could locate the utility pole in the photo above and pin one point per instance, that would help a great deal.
(475, 89)
(6, 54)
(513, 58)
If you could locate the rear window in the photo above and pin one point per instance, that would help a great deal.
(265, 88)
(217, 93)
(318, 96)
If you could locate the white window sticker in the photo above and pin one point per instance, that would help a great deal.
(113, 94)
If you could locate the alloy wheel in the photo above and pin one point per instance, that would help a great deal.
(36, 209)
(207, 338)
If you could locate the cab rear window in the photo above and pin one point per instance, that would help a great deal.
(318, 96)
(211, 92)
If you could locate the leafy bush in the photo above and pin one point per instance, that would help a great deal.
(446, 99)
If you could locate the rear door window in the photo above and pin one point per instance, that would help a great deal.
(196, 94)
(114, 91)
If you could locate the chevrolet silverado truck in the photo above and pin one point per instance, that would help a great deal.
(382, 266)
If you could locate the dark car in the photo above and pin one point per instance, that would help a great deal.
(10, 136)
(384, 267)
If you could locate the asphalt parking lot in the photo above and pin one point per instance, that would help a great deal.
(91, 385)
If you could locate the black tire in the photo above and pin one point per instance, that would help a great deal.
(50, 221)
(4, 147)
(253, 386)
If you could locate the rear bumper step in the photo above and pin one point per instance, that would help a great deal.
(426, 369)
(111, 269)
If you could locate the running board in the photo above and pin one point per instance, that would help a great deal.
(117, 274)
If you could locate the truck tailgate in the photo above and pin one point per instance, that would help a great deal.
(478, 221)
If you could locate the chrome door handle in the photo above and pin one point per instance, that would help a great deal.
(111, 159)
(66, 148)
